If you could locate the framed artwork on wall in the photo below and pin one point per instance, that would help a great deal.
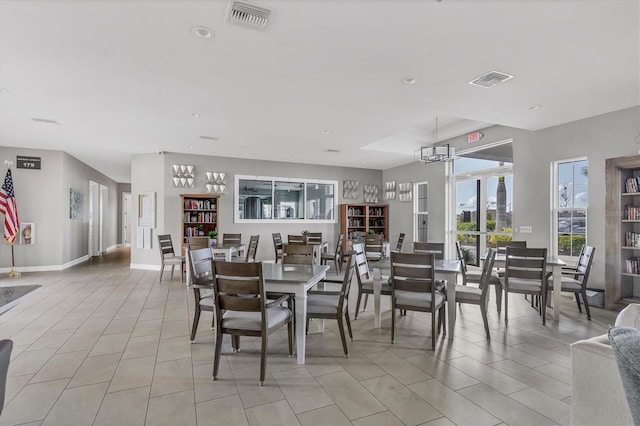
(147, 210)
(76, 204)
(27, 233)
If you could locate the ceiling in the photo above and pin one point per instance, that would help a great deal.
(124, 77)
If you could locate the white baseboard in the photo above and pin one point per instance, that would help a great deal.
(113, 247)
(145, 266)
(45, 268)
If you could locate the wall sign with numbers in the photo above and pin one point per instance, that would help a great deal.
(28, 162)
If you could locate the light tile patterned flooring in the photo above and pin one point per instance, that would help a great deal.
(105, 345)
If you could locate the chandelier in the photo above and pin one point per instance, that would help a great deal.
(437, 153)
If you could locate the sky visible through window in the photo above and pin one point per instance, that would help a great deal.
(466, 191)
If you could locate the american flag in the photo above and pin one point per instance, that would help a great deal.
(9, 209)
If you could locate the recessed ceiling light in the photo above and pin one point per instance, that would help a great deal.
(409, 80)
(535, 107)
(326, 132)
(4, 90)
(194, 115)
(191, 146)
(202, 32)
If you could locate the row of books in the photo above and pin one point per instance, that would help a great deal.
(633, 265)
(200, 217)
(631, 213)
(355, 222)
(192, 231)
(376, 211)
(355, 212)
(632, 239)
(632, 184)
(191, 204)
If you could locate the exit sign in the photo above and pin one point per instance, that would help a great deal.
(474, 137)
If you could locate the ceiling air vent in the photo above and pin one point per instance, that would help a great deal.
(248, 15)
(491, 79)
(44, 120)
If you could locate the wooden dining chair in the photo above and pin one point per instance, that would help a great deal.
(525, 273)
(314, 238)
(298, 254)
(334, 304)
(231, 239)
(574, 279)
(168, 256)
(479, 295)
(474, 276)
(413, 288)
(277, 246)
(335, 256)
(242, 309)
(195, 243)
(374, 246)
(436, 248)
(201, 282)
(365, 278)
(400, 242)
(296, 239)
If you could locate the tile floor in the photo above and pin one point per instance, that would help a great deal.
(105, 345)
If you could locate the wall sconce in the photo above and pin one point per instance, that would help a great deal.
(215, 182)
(182, 176)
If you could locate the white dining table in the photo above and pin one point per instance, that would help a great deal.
(228, 250)
(555, 264)
(295, 280)
(445, 270)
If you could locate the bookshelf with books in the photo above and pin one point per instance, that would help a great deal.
(199, 215)
(356, 220)
(622, 230)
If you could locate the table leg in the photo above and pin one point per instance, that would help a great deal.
(451, 303)
(301, 323)
(228, 255)
(557, 288)
(377, 290)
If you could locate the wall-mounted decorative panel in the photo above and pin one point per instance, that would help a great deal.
(370, 193)
(183, 176)
(389, 190)
(405, 191)
(350, 189)
(214, 182)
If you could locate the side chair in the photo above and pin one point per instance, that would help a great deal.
(525, 273)
(400, 242)
(336, 256)
(277, 246)
(201, 264)
(168, 256)
(436, 248)
(365, 278)
(574, 280)
(298, 254)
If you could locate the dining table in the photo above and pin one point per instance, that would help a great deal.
(444, 270)
(555, 264)
(228, 250)
(296, 280)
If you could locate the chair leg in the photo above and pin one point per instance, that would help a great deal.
(194, 327)
(506, 306)
(235, 342)
(342, 336)
(393, 323)
(433, 329)
(290, 331)
(366, 299)
(306, 330)
(498, 298)
(172, 268)
(543, 308)
(263, 358)
(355, 317)
(444, 319)
(348, 321)
(483, 311)
(578, 302)
(586, 303)
(218, 350)
(182, 274)
(161, 270)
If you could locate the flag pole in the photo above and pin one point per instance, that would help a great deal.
(13, 273)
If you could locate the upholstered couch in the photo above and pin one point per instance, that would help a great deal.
(598, 396)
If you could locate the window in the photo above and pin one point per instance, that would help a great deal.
(570, 206)
(276, 199)
(421, 213)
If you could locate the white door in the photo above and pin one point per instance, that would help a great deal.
(104, 203)
(126, 218)
(94, 219)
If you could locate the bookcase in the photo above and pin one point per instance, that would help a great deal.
(622, 231)
(358, 219)
(199, 215)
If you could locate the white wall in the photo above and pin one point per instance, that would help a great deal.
(158, 178)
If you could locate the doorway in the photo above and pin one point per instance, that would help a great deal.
(98, 207)
(126, 219)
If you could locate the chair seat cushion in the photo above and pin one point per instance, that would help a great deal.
(276, 317)
(474, 277)
(385, 288)
(330, 256)
(374, 255)
(206, 301)
(173, 260)
(466, 293)
(522, 284)
(323, 304)
(423, 300)
(568, 284)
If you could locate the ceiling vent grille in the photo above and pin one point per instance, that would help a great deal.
(247, 15)
(44, 120)
(491, 79)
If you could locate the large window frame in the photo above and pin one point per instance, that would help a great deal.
(421, 211)
(578, 216)
(305, 202)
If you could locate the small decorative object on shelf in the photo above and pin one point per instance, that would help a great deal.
(182, 176)
(371, 232)
(389, 190)
(370, 193)
(350, 189)
(215, 182)
(405, 191)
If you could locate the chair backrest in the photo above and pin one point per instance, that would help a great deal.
(314, 238)
(374, 247)
(165, 245)
(400, 242)
(526, 263)
(252, 249)
(435, 248)
(295, 239)
(339, 244)
(238, 287)
(413, 272)
(584, 264)
(277, 245)
(487, 270)
(361, 264)
(5, 356)
(299, 254)
(502, 245)
(201, 264)
(460, 256)
(231, 239)
(195, 243)
(346, 282)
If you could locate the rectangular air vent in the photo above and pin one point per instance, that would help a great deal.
(248, 15)
(491, 79)
(45, 120)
